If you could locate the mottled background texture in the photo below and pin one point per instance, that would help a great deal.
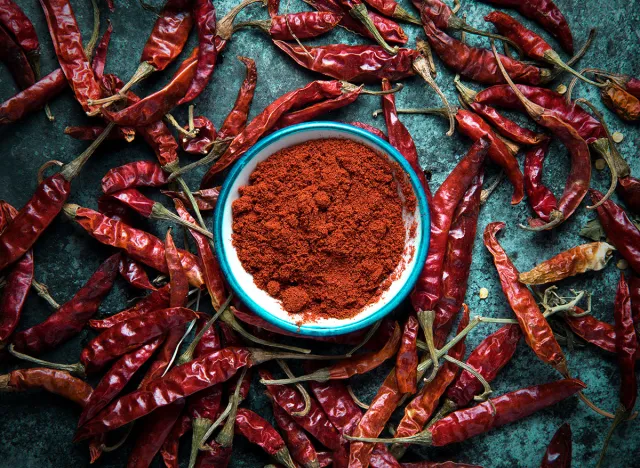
(36, 428)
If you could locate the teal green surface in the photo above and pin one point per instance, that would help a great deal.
(36, 428)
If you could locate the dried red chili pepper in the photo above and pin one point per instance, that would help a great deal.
(71, 318)
(134, 274)
(262, 434)
(346, 368)
(90, 133)
(99, 59)
(158, 299)
(392, 9)
(13, 19)
(478, 64)
(634, 286)
(592, 330)
(13, 56)
(134, 174)
(67, 42)
(301, 448)
(407, 358)
(540, 198)
(236, 120)
(586, 257)
(206, 199)
(558, 453)
(288, 27)
(354, 63)
(139, 245)
(622, 233)
(54, 381)
(629, 190)
(32, 98)
(428, 287)
(623, 103)
(201, 143)
(537, 332)
(315, 422)
(506, 127)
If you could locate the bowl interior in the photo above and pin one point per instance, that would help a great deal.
(260, 301)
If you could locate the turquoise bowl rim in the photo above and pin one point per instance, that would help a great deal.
(311, 329)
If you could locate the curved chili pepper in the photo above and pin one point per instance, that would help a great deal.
(623, 103)
(158, 299)
(262, 434)
(542, 200)
(301, 448)
(153, 107)
(54, 381)
(203, 141)
(178, 383)
(428, 287)
(592, 330)
(478, 64)
(537, 332)
(571, 262)
(263, 122)
(315, 422)
(622, 233)
(506, 127)
(134, 274)
(206, 199)
(99, 59)
(629, 190)
(33, 98)
(545, 13)
(558, 453)
(69, 319)
(126, 336)
(90, 133)
(353, 63)
(388, 29)
(392, 9)
(302, 25)
(626, 346)
(370, 128)
(116, 378)
(67, 42)
(132, 198)
(13, 19)
(12, 55)
(407, 358)
(237, 119)
(134, 174)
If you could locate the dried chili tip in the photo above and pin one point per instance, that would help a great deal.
(225, 27)
(558, 453)
(360, 12)
(294, 26)
(580, 259)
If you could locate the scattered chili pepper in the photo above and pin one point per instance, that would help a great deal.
(541, 199)
(54, 381)
(629, 190)
(545, 13)
(623, 103)
(407, 358)
(201, 143)
(134, 174)
(262, 434)
(506, 127)
(13, 19)
(464, 424)
(622, 233)
(558, 453)
(134, 274)
(158, 299)
(206, 199)
(236, 121)
(90, 133)
(99, 59)
(478, 64)
(69, 320)
(14, 57)
(67, 42)
(354, 63)
(302, 25)
(301, 448)
(537, 332)
(428, 287)
(576, 260)
(139, 245)
(32, 98)
(592, 330)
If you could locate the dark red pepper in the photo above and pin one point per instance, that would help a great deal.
(542, 200)
(558, 453)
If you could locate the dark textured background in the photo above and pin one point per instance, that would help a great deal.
(36, 428)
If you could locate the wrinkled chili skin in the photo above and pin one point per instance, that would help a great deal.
(134, 174)
(506, 127)
(179, 382)
(116, 378)
(205, 14)
(133, 198)
(158, 299)
(69, 319)
(205, 199)
(634, 287)
(536, 329)
(540, 198)
(531, 44)
(629, 190)
(337, 404)
(487, 359)
(14, 57)
(99, 59)
(474, 127)
(496, 412)
(236, 120)
(54, 381)
(592, 330)
(128, 335)
(300, 447)
(258, 431)
(33, 218)
(475, 63)
(353, 63)
(619, 229)
(169, 34)
(558, 453)
(428, 288)
(215, 456)
(318, 109)
(623, 103)
(303, 25)
(205, 138)
(13, 19)
(134, 274)
(32, 98)
(407, 358)
(626, 345)
(90, 133)
(67, 42)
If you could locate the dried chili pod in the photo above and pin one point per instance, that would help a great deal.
(99, 58)
(292, 26)
(14, 57)
(629, 190)
(371, 129)
(259, 432)
(90, 133)
(54, 381)
(134, 174)
(206, 198)
(236, 120)
(407, 358)
(203, 141)
(541, 199)
(134, 274)
(13, 20)
(558, 453)
(506, 127)
(623, 103)
(301, 448)
(158, 299)
(33, 98)
(592, 330)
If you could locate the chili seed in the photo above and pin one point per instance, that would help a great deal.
(484, 293)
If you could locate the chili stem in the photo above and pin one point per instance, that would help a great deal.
(174, 123)
(42, 291)
(159, 211)
(486, 193)
(219, 147)
(305, 395)
(355, 399)
(225, 436)
(199, 428)
(366, 339)
(93, 40)
(487, 388)
(619, 417)
(77, 368)
(175, 351)
(144, 70)
(360, 13)
(426, 318)
(72, 169)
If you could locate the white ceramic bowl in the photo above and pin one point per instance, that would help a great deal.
(260, 301)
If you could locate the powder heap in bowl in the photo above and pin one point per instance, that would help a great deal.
(320, 227)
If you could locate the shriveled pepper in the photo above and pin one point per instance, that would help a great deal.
(16, 61)
(33, 98)
(158, 299)
(540, 198)
(592, 330)
(259, 432)
(558, 453)
(407, 358)
(236, 120)
(134, 274)
(201, 143)
(90, 133)
(629, 190)
(54, 381)
(206, 199)
(302, 25)
(13, 19)
(134, 174)
(301, 448)
(506, 127)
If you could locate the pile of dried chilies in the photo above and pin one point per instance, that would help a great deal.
(153, 387)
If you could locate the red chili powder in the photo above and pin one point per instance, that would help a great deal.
(320, 226)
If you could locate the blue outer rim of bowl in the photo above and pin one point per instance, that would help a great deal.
(315, 330)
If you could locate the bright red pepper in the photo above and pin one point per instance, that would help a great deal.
(33, 98)
(542, 200)
(134, 274)
(205, 138)
(13, 19)
(158, 299)
(302, 25)
(236, 120)
(407, 358)
(134, 174)
(506, 127)
(558, 453)
(54, 381)
(259, 432)
(301, 448)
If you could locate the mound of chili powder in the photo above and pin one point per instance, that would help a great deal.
(320, 227)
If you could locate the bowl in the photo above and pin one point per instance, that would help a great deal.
(269, 308)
